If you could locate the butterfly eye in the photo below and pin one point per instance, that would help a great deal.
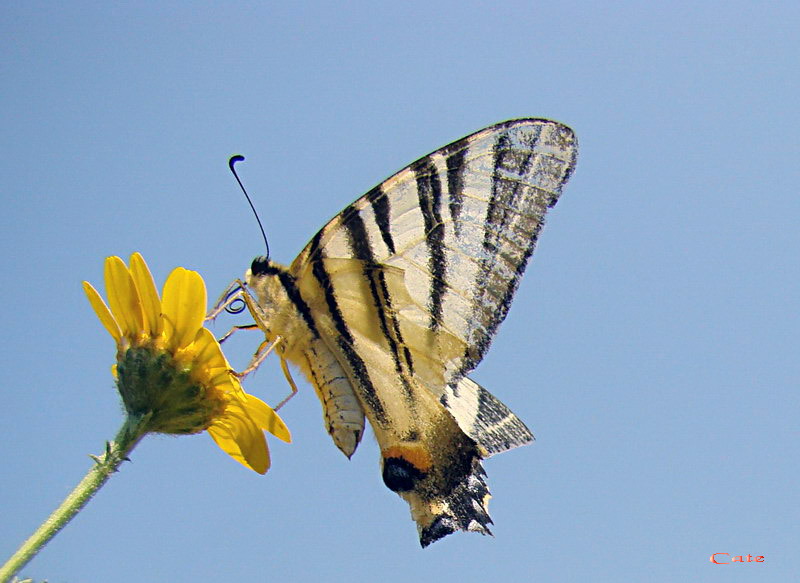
(260, 265)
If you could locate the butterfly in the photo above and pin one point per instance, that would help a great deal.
(396, 299)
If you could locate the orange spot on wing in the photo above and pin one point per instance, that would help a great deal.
(414, 454)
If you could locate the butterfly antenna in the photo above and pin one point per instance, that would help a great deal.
(233, 160)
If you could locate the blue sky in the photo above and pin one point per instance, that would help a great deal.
(652, 347)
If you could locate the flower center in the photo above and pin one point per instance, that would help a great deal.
(151, 381)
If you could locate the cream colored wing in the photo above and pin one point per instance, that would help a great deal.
(460, 224)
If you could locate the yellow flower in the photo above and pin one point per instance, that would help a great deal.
(172, 369)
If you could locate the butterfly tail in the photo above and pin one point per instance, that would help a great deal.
(444, 486)
(484, 418)
(465, 508)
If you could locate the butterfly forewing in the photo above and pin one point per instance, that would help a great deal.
(461, 224)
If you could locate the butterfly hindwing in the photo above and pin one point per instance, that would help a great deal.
(397, 298)
(484, 418)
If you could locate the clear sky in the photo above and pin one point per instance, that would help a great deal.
(652, 347)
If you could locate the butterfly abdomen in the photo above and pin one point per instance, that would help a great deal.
(282, 312)
(344, 417)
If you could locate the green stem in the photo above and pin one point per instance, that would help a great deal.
(116, 452)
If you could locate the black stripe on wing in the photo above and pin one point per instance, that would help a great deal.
(380, 205)
(381, 299)
(429, 193)
(345, 340)
(456, 154)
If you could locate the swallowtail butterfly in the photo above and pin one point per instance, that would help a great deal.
(393, 302)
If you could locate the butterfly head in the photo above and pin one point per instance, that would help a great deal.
(265, 279)
(261, 266)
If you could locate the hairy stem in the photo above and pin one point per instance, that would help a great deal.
(105, 465)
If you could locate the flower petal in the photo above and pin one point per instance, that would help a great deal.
(237, 435)
(208, 350)
(184, 305)
(151, 304)
(123, 298)
(102, 311)
(266, 418)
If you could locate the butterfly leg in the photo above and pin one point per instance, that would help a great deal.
(261, 354)
(237, 291)
(287, 373)
(233, 329)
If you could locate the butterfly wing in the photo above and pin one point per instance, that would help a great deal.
(460, 224)
(406, 288)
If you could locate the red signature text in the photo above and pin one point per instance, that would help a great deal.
(725, 559)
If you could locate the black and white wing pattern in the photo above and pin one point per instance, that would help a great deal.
(397, 298)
